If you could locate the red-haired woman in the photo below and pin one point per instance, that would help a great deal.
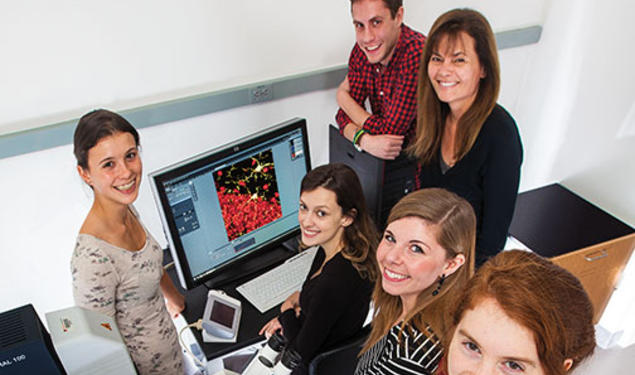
(520, 314)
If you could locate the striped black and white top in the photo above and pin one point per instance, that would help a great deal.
(416, 353)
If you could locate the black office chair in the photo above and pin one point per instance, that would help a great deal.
(342, 359)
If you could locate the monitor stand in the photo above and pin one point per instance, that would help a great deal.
(292, 244)
(256, 263)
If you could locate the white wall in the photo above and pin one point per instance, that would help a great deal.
(574, 102)
(61, 58)
(569, 94)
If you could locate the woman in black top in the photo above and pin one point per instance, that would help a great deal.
(335, 297)
(465, 142)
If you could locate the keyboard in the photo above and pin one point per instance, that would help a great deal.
(273, 287)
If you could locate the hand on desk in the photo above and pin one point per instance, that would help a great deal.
(292, 302)
(270, 328)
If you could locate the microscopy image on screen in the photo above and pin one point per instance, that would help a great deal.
(248, 194)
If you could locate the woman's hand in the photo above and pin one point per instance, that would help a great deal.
(175, 304)
(174, 300)
(292, 302)
(270, 328)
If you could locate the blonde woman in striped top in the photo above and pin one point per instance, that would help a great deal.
(426, 255)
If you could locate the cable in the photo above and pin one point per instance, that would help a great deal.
(198, 325)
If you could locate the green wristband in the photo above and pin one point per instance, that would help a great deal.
(358, 135)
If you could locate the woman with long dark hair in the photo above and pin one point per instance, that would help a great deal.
(335, 297)
(465, 142)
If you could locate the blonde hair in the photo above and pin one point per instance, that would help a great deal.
(455, 225)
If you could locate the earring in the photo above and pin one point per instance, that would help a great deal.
(438, 289)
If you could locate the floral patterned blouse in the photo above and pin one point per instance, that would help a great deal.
(125, 284)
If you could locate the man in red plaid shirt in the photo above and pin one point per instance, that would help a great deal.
(383, 68)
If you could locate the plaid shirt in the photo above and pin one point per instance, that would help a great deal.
(392, 90)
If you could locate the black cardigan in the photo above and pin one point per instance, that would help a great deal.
(487, 177)
(334, 306)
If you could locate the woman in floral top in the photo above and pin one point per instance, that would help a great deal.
(117, 265)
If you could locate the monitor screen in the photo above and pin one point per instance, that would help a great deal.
(222, 314)
(233, 201)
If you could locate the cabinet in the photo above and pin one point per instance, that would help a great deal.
(577, 235)
(384, 182)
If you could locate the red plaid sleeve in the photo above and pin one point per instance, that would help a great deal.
(359, 78)
(393, 93)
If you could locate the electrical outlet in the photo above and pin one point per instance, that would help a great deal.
(261, 93)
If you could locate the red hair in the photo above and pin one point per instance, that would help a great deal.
(541, 296)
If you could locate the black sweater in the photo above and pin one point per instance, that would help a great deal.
(334, 306)
(487, 177)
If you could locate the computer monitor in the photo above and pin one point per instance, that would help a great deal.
(232, 205)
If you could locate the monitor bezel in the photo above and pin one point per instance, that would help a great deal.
(158, 177)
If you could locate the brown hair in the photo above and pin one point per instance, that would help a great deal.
(95, 125)
(392, 5)
(431, 112)
(455, 225)
(541, 296)
(360, 238)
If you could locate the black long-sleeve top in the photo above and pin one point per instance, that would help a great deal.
(334, 305)
(487, 177)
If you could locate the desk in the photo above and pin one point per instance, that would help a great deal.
(593, 245)
(251, 319)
